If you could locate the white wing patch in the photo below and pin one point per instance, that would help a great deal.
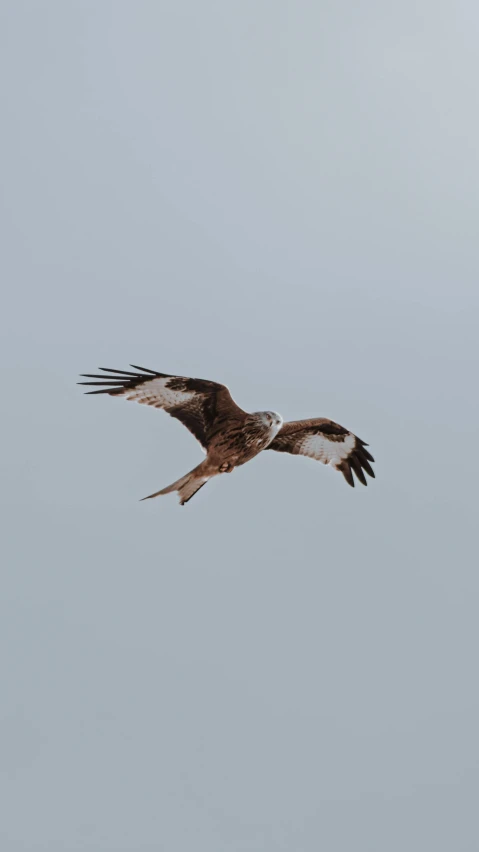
(156, 393)
(328, 452)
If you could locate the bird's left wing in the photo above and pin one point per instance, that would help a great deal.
(202, 406)
(329, 443)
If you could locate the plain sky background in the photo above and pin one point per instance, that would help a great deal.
(282, 196)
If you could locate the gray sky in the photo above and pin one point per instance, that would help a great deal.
(282, 196)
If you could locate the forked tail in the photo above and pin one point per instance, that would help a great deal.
(186, 487)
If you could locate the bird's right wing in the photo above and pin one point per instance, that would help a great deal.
(329, 443)
(202, 406)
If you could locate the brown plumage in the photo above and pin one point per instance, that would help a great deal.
(230, 436)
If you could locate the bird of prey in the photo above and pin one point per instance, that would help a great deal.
(228, 435)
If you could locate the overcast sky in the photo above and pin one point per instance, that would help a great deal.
(281, 196)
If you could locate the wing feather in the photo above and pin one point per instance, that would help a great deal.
(327, 442)
(202, 406)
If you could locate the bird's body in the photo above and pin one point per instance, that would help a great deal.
(243, 440)
(230, 436)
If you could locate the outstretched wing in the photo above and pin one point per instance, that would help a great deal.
(329, 443)
(202, 406)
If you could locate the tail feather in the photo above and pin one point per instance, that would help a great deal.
(186, 486)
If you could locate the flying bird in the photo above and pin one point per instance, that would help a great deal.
(228, 435)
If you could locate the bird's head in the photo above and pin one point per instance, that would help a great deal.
(271, 419)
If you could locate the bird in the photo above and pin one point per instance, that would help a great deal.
(230, 436)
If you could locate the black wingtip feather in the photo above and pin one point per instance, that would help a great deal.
(145, 370)
(356, 466)
(346, 471)
(121, 372)
(108, 390)
(104, 384)
(365, 465)
(362, 445)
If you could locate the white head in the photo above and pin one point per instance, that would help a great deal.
(271, 419)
